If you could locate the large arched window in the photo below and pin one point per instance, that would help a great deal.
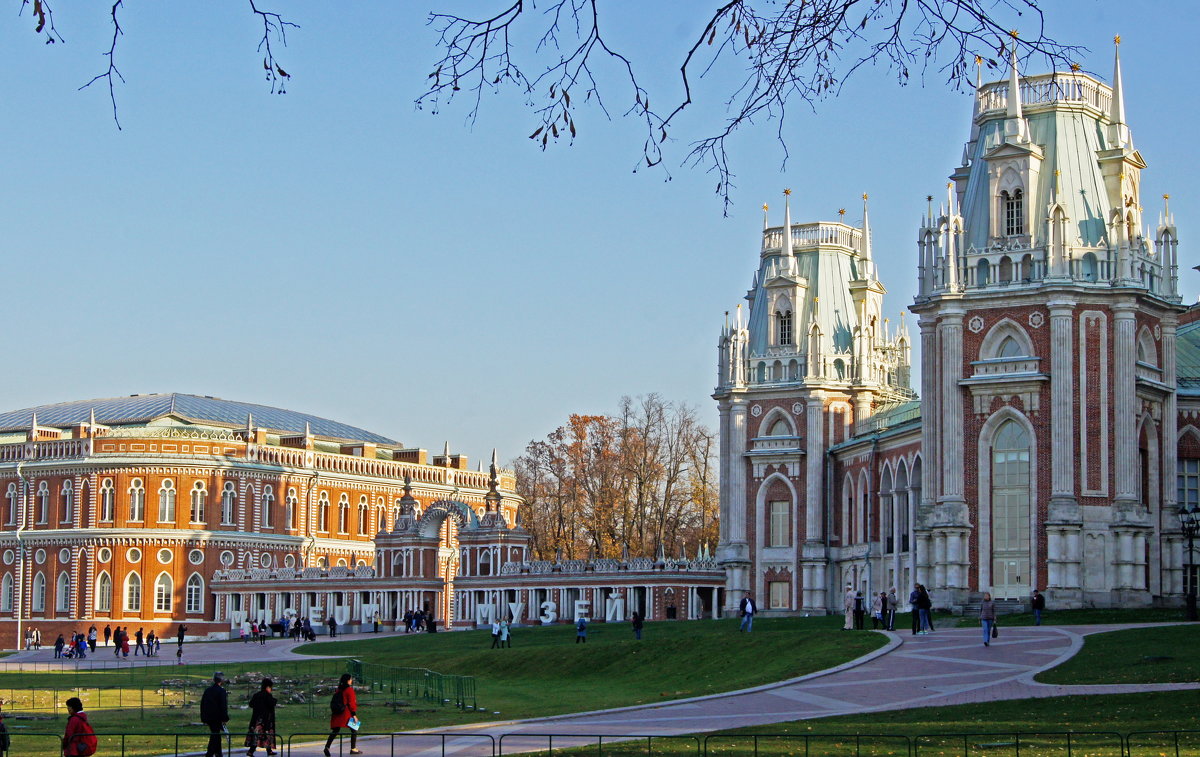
(1010, 510)
(195, 594)
(68, 501)
(104, 593)
(199, 498)
(108, 498)
(38, 600)
(43, 502)
(166, 501)
(6, 593)
(267, 505)
(62, 594)
(228, 498)
(164, 591)
(137, 501)
(380, 517)
(133, 593)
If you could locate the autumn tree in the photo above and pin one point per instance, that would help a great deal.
(635, 482)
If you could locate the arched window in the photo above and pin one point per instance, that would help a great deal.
(108, 498)
(39, 594)
(137, 501)
(195, 594)
(363, 515)
(344, 514)
(395, 514)
(981, 272)
(323, 512)
(1009, 348)
(289, 508)
(199, 499)
(485, 562)
(780, 428)
(1010, 510)
(43, 501)
(839, 368)
(228, 497)
(133, 593)
(1014, 214)
(1089, 268)
(6, 593)
(380, 518)
(1026, 268)
(62, 594)
(166, 501)
(1006, 270)
(68, 501)
(11, 496)
(268, 504)
(783, 323)
(104, 593)
(164, 590)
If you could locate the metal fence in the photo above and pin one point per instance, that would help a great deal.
(599, 744)
(128, 744)
(414, 683)
(424, 744)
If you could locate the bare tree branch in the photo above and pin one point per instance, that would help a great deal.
(790, 52)
(112, 62)
(44, 17)
(274, 25)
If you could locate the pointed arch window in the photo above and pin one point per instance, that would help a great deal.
(62, 594)
(11, 497)
(43, 502)
(363, 515)
(267, 504)
(1014, 213)
(166, 501)
(783, 326)
(38, 601)
(195, 594)
(1010, 509)
(344, 514)
(289, 508)
(228, 498)
(1009, 348)
(68, 501)
(133, 593)
(104, 593)
(164, 590)
(323, 512)
(6, 593)
(380, 518)
(108, 498)
(137, 501)
(780, 428)
(199, 497)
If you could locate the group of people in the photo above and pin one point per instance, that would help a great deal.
(260, 733)
(301, 630)
(882, 607)
(501, 634)
(76, 647)
(33, 638)
(256, 631)
(147, 644)
(416, 621)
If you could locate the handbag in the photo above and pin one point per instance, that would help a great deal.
(995, 630)
(354, 723)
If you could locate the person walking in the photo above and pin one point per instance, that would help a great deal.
(914, 597)
(214, 713)
(5, 742)
(261, 731)
(179, 637)
(848, 608)
(116, 640)
(91, 639)
(505, 635)
(860, 611)
(125, 642)
(342, 708)
(747, 608)
(987, 617)
(107, 634)
(37, 638)
(878, 608)
(581, 631)
(495, 634)
(891, 614)
(1039, 604)
(636, 622)
(138, 637)
(79, 739)
(263, 630)
(59, 643)
(925, 605)
(332, 627)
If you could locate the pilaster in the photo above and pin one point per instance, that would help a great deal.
(1125, 399)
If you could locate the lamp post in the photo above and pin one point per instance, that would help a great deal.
(1189, 523)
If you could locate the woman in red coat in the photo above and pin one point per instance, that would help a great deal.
(342, 707)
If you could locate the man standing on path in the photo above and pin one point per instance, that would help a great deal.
(214, 713)
(848, 608)
(140, 645)
(1039, 604)
(913, 596)
(747, 608)
(891, 602)
(107, 634)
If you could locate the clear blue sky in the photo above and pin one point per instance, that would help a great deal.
(335, 251)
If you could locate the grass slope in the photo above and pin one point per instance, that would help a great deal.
(1137, 655)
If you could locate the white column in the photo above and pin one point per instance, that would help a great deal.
(1125, 399)
(1062, 416)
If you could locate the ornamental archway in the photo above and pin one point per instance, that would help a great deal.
(444, 520)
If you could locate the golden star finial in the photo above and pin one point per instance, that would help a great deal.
(864, 195)
(979, 60)
(787, 192)
(1014, 33)
(928, 198)
(1057, 172)
(765, 207)
(1076, 67)
(1117, 40)
(841, 211)
(949, 185)
(1166, 197)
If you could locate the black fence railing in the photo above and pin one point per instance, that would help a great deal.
(414, 683)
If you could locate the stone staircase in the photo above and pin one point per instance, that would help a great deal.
(1003, 606)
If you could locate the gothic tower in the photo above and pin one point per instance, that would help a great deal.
(1048, 311)
(814, 355)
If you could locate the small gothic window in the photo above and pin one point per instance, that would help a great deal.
(780, 428)
(1014, 216)
(784, 321)
(1009, 348)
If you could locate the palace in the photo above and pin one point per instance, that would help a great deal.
(164, 509)
(1057, 432)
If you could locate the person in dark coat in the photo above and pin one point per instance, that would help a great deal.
(5, 743)
(342, 707)
(59, 643)
(214, 713)
(636, 622)
(261, 732)
(107, 634)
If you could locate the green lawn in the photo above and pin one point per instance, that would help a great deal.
(1164, 654)
(1085, 617)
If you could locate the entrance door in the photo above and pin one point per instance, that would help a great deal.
(1010, 512)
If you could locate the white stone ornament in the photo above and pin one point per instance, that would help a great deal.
(756, 410)
(1036, 319)
(1157, 331)
(975, 324)
(798, 408)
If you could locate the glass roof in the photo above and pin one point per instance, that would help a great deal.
(142, 408)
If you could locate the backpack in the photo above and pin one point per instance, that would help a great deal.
(337, 705)
(84, 743)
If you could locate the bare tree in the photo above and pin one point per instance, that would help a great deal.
(561, 56)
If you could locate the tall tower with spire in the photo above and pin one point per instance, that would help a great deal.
(809, 355)
(1048, 311)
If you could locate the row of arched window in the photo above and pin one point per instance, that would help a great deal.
(130, 600)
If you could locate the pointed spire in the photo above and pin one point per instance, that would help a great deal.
(1118, 131)
(446, 454)
(92, 417)
(495, 460)
(307, 430)
(738, 320)
(951, 256)
(249, 422)
(765, 223)
(33, 424)
(1014, 85)
(787, 229)
(866, 231)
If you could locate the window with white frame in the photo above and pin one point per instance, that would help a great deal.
(344, 514)
(195, 594)
(164, 590)
(108, 499)
(43, 502)
(1188, 482)
(363, 516)
(133, 593)
(199, 497)
(323, 511)
(68, 501)
(228, 498)
(62, 594)
(1014, 214)
(166, 501)
(778, 595)
(779, 530)
(267, 504)
(380, 518)
(783, 327)
(39, 594)
(6, 593)
(137, 501)
(104, 593)
(289, 508)
(11, 497)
